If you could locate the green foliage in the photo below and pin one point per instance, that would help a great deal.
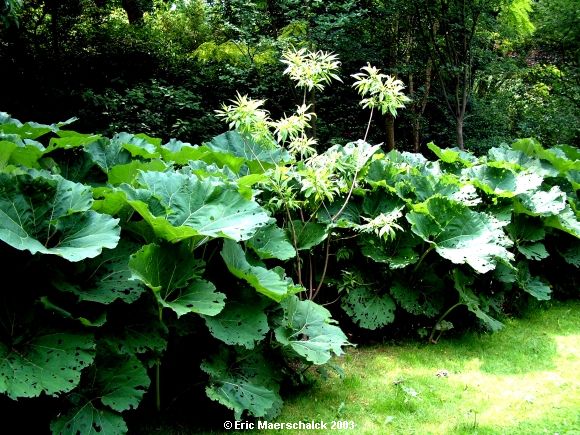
(132, 270)
(242, 382)
(368, 309)
(45, 213)
(306, 328)
(49, 363)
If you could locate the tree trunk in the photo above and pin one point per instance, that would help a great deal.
(460, 132)
(134, 11)
(390, 122)
(416, 135)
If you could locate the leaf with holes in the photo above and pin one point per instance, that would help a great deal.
(121, 383)
(307, 328)
(89, 420)
(50, 364)
(106, 278)
(244, 382)
(240, 323)
(461, 235)
(368, 309)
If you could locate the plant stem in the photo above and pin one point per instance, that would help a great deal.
(158, 373)
(326, 258)
(429, 249)
(440, 319)
(369, 124)
(295, 243)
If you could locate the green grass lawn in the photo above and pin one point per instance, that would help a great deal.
(524, 379)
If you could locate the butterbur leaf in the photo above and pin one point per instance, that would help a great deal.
(425, 298)
(234, 143)
(451, 155)
(50, 215)
(50, 364)
(106, 278)
(127, 173)
(122, 383)
(242, 383)
(308, 235)
(307, 329)
(272, 242)
(241, 324)
(571, 255)
(198, 297)
(134, 339)
(108, 154)
(526, 228)
(368, 309)
(137, 146)
(565, 221)
(118, 384)
(267, 282)
(461, 235)
(542, 203)
(471, 301)
(532, 284)
(173, 273)
(180, 206)
(503, 182)
(533, 251)
(89, 420)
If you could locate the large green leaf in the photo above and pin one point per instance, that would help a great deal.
(421, 297)
(49, 363)
(105, 278)
(558, 157)
(368, 309)
(308, 235)
(122, 383)
(542, 203)
(397, 254)
(271, 242)
(119, 384)
(138, 145)
(245, 383)
(565, 221)
(451, 155)
(502, 182)
(108, 153)
(239, 323)
(267, 282)
(571, 255)
(532, 284)
(173, 273)
(307, 328)
(462, 284)
(180, 206)
(89, 420)
(50, 215)
(128, 172)
(235, 144)
(533, 251)
(460, 234)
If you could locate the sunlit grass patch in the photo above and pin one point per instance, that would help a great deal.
(521, 380)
